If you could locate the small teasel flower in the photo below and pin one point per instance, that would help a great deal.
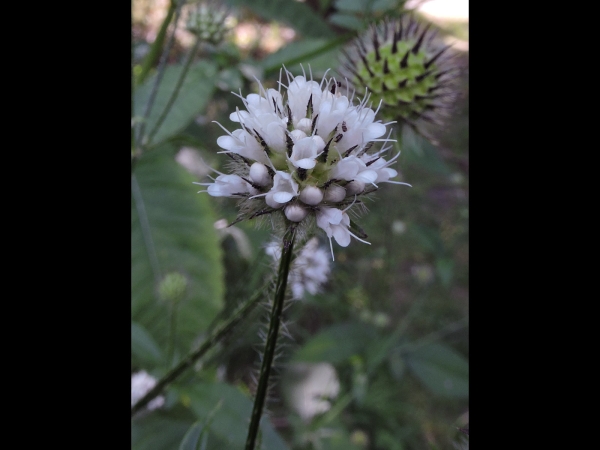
(207, 21)
(310, 268)
(141, 383)
(305, 154)
(173, 287)
(402, 64)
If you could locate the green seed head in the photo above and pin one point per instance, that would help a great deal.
(173, 286)
(402, 65)
(207, 21)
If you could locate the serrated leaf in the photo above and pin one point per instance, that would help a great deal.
(193, 96)
(172, 231)
(144, 349)
(297, 15)
(444, 371)
(336, 343)
(230, 421)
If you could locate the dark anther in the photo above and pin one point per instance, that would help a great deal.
(262, 142)
(290, 124)
(312, 126)
(323, 156)
(371, 162)
(301, 173)
(237, 157)
(289, 144)
(254, 185)
(338, 137)
(344, 127)
(347, 152)
(309, 107)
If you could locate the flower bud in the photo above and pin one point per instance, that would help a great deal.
(271, 202)
(335, 193)
(355, 187)
(311, 195)
(401, 64)
(173, 286)
(305, 125)
(295, 213)
(207, 21)
(259, 174)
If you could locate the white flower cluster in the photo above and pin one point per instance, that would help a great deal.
(141, 383)
(310, 268)
(307, 155)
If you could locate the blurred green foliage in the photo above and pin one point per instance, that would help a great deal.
(393, 318)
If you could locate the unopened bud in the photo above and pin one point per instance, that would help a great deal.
(335, 193)
(259, 174)
(311, 195)
(355, 187)
(295, 213)
(173, 287)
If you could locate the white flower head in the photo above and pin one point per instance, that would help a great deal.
(311, 387)
(141, 383)
(304, 153)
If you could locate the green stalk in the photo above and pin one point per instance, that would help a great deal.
(265, 370)
(236, 316)
(140, 127)
(156, 45)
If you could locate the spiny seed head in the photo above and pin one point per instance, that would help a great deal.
(207, 21)
(402, 65)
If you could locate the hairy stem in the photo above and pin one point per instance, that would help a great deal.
(267, 361)
(236, 316)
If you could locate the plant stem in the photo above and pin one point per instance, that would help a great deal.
(236, 316)
(156, 45)
(267, 361)
(140, 128)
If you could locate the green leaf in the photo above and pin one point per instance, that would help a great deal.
(337, 343)
(192, 437)
(319, 54)
(297, 15)
(348, 21)
(444, 371)
(157, 432)
(172, 231)
(230, 421)
(144, 350)
(193, 96)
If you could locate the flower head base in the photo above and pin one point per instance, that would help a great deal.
(305, 155)
(407, 69)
